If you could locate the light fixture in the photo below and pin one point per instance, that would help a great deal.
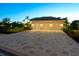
(41, 24)
(61, 24)
(50, 24)
(32, 24)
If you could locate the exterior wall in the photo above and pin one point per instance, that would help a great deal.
(47, 24)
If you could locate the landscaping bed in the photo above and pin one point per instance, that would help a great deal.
(73, 34)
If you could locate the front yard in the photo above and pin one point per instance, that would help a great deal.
(40, 43)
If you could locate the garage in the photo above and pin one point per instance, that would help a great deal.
(47, 24)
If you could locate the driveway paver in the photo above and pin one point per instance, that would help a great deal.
(41, 43)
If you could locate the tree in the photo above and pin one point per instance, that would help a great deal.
(6, 20)
(28, 26)
(75, 25)
(66, 23)
(5, 24)
(27, 17)
(17, 24)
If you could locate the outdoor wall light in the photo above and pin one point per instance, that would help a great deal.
(50, 24)
(41, 24)
(61, 24)
(32, 24)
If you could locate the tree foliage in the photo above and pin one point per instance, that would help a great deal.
(75, 24)
(6, 20)
(7, 26)
(66, 23)
(28, 26)
(17, 24)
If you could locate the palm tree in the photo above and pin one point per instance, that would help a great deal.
(27, 17)
(6, 20)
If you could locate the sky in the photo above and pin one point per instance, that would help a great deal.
(18, 11)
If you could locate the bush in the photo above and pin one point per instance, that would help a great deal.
(74, 25)
(17, 24)
(17, 29)
(28, 26)
(6, 26)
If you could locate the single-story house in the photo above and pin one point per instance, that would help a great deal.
(47, 23)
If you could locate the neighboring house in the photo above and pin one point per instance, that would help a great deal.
(47, 23)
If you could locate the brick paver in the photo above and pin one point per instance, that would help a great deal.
(43, 43)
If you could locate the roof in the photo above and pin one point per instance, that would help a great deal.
(47, 18)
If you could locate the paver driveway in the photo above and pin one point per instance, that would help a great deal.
(41, 43)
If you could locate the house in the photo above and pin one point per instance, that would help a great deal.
(47, 23)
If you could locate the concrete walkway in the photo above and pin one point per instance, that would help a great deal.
(40, 43)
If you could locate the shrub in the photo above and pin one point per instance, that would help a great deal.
(28, 26)
(74, 25)
(16, 29)
(7, 27)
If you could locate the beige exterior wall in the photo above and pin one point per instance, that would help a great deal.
(47, 24)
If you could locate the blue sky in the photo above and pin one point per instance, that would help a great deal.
(18, 11)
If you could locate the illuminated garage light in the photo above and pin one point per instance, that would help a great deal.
(41, 24)
(61, 25)
(32, 24)
(50, 24)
